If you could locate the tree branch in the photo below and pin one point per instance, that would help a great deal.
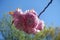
(45, 7)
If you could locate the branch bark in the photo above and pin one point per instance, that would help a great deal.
(45, 8)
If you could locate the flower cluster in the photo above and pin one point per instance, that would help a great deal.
(27, 21)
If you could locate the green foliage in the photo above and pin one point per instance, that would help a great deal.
(9, 32)
(58, 36)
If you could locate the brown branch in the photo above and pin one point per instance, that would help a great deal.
(45, 7)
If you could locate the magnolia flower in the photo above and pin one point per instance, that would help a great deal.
(27, 21)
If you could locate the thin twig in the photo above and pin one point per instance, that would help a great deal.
(45, 7)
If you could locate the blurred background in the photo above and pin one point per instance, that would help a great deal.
(51, 16)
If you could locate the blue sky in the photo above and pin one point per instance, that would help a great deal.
(51, 16)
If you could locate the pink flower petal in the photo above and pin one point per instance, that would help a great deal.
(27, 21)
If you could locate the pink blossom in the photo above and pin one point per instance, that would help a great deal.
(27, 21)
